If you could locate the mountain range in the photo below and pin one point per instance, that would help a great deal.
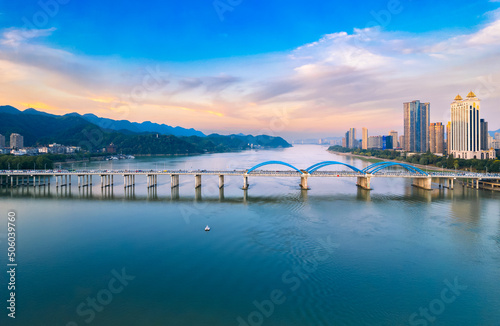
(93, 133)
(111, 124)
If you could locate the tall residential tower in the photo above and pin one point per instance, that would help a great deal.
(436, 138)
(364, 140)
(16, 141)
(416, 122)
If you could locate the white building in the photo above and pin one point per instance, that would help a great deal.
(466, 128)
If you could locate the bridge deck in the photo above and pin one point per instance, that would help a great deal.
(265, 173)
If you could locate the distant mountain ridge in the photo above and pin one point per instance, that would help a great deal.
(41, 128)
(146, 126)
(110, 124)
(492, 133)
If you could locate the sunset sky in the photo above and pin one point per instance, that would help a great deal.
(296, 69)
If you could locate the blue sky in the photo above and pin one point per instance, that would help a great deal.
(192, 30)
(231, 65)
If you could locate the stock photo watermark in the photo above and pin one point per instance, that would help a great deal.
(278, 122)
(223, 6)
(88, 309)
(11, 263)
(292, 280)
(437, 306)
(153, 80)
(40, 19)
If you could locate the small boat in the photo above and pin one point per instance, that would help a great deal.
(207, 228)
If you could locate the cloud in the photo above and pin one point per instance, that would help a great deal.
(15, 37)
(342, 80)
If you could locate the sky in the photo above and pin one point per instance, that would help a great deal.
(297, 69)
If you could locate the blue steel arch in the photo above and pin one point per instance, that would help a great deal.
(382, 165)
(273, 162)
(320, 165)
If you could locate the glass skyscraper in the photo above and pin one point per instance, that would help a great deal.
(416, 121)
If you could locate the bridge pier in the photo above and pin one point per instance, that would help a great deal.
(197, 181)
(152, 180)
(128, 180)
(423, 183)
(106, 181)
(174, 193)
(84, 180)
(303, 183)
(221, 181)
(450, 183)
(174, 180)
(364, 183)
(245, 183)
(197, 194)
(221, 193)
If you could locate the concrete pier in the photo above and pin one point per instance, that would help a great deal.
(197, 181)
(152, 180)
(221, 193)
(174, 180)
(303, 183)
(423, 183)
(245, 183)
(364, 183)
(174, 193)
(221, 181)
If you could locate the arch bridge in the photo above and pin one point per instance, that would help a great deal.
(62, 178)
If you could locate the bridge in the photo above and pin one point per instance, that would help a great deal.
(421, 179)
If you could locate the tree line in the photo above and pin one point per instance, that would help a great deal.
(447, 162)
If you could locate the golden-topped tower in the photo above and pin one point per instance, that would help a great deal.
(465, 127)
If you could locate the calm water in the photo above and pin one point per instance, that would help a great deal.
(333, 255)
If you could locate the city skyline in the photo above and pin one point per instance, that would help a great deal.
(306, 83)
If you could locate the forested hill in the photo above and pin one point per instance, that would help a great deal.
(72, 130)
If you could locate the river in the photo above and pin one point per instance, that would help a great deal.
(277, 255)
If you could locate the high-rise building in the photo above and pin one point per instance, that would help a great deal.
(387, 142)
(352, 138)
(416, 122)
(16, 141)
(448, 137)
(436, 138)
(375, 142)
(394, 135)
(466, 127)
(402, 141)
(497, 135)
(364, 141)
(484, 134)
(344, 142)
(2, 141)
